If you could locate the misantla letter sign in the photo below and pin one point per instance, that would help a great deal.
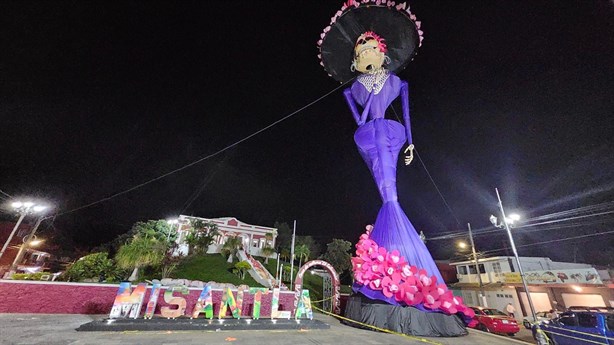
(128, 302)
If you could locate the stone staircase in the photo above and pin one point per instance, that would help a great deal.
(258, 271)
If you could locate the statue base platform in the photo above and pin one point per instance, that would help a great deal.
(200, 324)
(406, 320)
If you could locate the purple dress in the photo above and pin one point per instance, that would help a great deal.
(379, 141)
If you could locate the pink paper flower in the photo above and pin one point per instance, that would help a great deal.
(431, 299)
(380, 255)
(390, 285)
(376, 284)
(408, 271)
(394, 257)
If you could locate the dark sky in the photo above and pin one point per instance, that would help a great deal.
(98, 97)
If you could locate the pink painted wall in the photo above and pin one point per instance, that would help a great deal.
(79, 298)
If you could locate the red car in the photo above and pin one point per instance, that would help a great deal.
(495, 321)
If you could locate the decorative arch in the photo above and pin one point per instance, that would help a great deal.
(298, 283)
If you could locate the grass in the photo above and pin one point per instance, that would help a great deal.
(211, 267)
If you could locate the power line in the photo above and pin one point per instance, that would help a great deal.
(7, 194)
(203, 158)
(429, 175)
(488, 230)
(553, 241)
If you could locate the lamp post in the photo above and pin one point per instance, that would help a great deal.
(171, 223)
(23, 208)
(507, 222)
(26, 242)
(477, 266)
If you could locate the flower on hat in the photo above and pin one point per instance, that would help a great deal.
(390, 285)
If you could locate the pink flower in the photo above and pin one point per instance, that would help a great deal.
(442, 288)
(448, 307)
(394, 257)
(390, 285)
(408, 271)
(431, 299)
(390, 270)
(409, 293)
(366, 248)
(357, 263)
(426, 281)
(469, 312)
(376, 284)
(447, 302)
(369, 229)
(380, 255)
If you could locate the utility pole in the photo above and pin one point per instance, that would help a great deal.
(477, 267)
(6, 244)
(509, 234)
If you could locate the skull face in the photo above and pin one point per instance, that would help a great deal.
(368, 54)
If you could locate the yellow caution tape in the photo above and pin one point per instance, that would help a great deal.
(322, 300)
(424, 340)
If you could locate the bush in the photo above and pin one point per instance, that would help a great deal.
(241, 269)
(95, 266)
(29, 276)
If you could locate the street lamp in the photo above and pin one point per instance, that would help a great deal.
(23, 208)
(508, 222)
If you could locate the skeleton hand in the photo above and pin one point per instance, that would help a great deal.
(409, 157)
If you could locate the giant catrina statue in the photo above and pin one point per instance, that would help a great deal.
(371, 40)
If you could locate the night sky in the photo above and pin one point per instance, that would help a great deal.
(98, 97)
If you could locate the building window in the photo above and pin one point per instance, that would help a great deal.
(496, 267)
(468, 297)
(472, 270)
(462, 269)
(482, 269)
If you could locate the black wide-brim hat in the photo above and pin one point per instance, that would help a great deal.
(393, 22)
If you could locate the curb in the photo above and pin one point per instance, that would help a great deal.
(471, 330)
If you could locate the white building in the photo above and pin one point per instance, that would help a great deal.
(552, 285)
(253, 236)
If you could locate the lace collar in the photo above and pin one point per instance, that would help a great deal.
(374, 82)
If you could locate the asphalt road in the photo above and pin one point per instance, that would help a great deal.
(60, 329)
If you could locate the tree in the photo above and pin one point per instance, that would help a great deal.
(268, 249)
(284, 235)
(159, 229)
(141, 251)
(285, 254)
(231, 247)
(301, 252)
(314, 247)
(241, 269)
(201, 235)
(338, 254)
(93, 266)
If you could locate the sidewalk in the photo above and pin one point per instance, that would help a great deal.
(60, 330)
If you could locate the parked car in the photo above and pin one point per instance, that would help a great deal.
(579, 325)
(495, 321)
(540, 317)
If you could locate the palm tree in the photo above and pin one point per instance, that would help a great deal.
(141, 251)
(267, 251)
(302, 252)
(231, 247)
(285, 254)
